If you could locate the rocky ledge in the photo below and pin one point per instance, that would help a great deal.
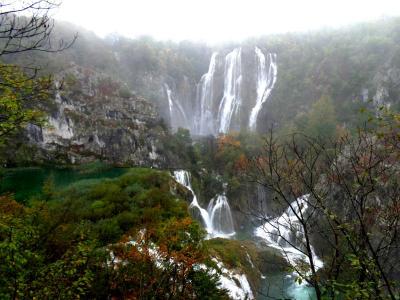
(93, 116)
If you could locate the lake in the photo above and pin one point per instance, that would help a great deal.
(26, 183)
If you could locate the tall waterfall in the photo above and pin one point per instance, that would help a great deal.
(221, 93)
(217, 219)
(205, 120)
(231, 101)
(286, 233)
(266, 78)
(176, 112)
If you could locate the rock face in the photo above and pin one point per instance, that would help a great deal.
(386, 83)
(94, 117)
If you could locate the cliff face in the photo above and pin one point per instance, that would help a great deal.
(95, 117)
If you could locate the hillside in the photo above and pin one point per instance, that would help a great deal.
(350, 66)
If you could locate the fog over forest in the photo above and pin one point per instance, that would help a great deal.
(219, 21)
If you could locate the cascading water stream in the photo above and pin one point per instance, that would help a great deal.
(175, 109)
(169, 97)
(183, 177)
(231, 101)
(221, 216)
(229, 116)
(217, 219)
(205, 120)
(286, 233)
(266, 78)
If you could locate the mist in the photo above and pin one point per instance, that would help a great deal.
(218, 21)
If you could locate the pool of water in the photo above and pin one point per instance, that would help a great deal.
(283, 286)
(26, 183)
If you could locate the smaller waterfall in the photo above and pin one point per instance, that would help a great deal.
(205, 119)
(176, 111)
(231, 101)
(169, 97)
(266, 78)
(217, 219)
(286, 233)
(221, 216)
(183, 177)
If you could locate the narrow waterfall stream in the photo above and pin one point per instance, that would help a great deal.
(266, 78)
(176, 112)
(217, 219)
(231, 100)
(205, 117)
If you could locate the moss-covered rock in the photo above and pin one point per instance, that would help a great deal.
(248, 258)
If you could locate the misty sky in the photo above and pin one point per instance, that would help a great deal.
(219, 20)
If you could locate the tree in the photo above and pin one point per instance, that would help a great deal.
(19, 98)
(24, 26)
(25, 269)
(27, 26)
(130, 237)
(165, 263)
(322, 121)
(345, 199)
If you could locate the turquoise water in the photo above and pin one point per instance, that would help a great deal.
(26, 183)
(283, 286)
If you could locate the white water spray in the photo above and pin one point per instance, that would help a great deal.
(217, 219)
(205, 120)
(231, 100)
(176, 111)
(213, 116)
(266, 78)
(220, 215)
(286, 233)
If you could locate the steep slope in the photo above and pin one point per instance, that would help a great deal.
(95, 117)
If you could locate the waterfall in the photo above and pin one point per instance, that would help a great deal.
(169, 97)
(231, 101)
(286, 233)
(266, 78)
(183, 177)
(212, 115)
(205, 120)
(217, 219)
(176, 111)
(221, 216)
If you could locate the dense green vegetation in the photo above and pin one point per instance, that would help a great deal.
(20, 99)
(67, 236)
